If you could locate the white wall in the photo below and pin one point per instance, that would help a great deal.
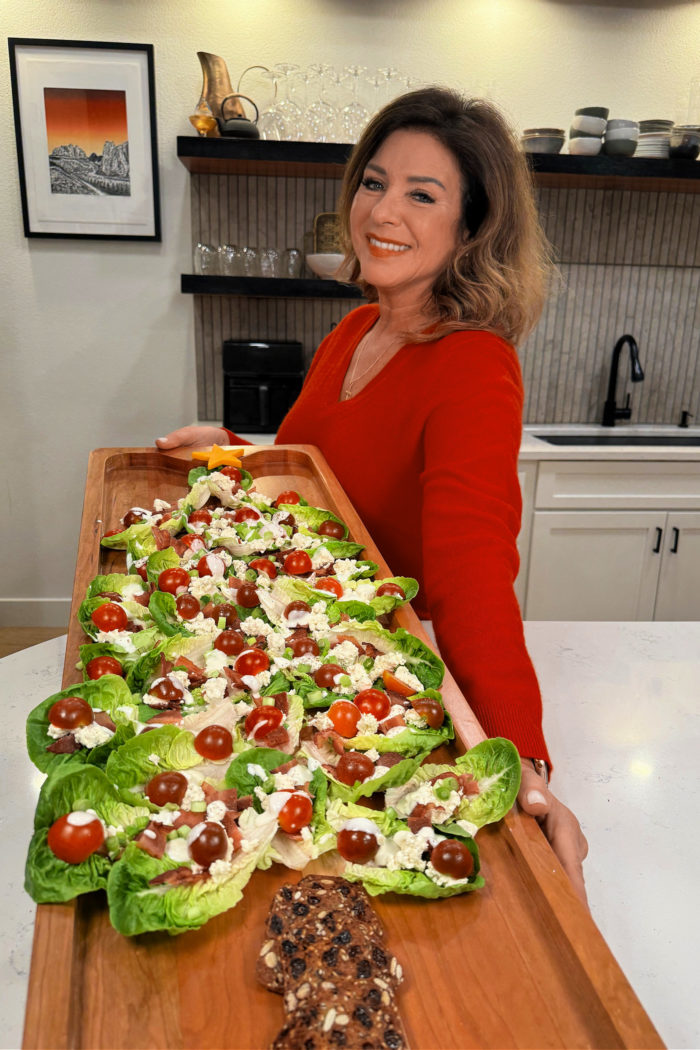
(97, 340)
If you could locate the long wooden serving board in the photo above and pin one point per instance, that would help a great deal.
(519, 963)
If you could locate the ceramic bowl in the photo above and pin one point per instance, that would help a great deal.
(617, 124)
(325, 264)
(543, 140)
(685, 141)
(621, 133)
(585, 147)
(588, 125)
(593, 111)
(619, 147)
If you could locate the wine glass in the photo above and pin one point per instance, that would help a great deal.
(355, 114)
(271, 122)
(291, 113)
(321, 114)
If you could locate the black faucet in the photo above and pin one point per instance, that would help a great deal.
(610, 410)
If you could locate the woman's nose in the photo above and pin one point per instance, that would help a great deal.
(386, 208)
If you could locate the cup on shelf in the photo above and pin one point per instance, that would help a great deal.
(206, 259)
(250, 263)
(292, 262)
(269, 262)
(230, 263)
(620, 139)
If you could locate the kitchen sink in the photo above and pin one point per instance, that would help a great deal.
(620, 439)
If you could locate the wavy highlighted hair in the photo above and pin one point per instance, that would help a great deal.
(497, 277)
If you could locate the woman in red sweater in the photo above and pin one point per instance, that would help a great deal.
(416, 399)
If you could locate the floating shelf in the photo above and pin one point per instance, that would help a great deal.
(268, 287)
(230, 156)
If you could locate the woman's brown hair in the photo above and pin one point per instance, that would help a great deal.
(497, 277)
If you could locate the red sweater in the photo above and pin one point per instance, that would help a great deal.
(427, 453)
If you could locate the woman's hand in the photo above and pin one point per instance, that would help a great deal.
(559, 824)
(186, 436)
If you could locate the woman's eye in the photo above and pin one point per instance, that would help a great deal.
(371, 183)
(423, 197)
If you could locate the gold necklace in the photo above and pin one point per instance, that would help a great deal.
(355, 379)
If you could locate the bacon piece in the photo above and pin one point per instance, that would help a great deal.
(167, 718)
(468, 784)
(186, 816)
(421, 816)
(389, 758)
(329, 735)
(371, 650)
(286, 766)
(134, 628)
(232, 829)
(347, 638)
(65, 745)
(244, 802)
(195, 674)
(281, 702)
(306, 733)
(182, 876)
(233, 679)
(162, 537)
(103, 719)
(278, 738)
(391, 723)
(229, 796)
(152, 839)
(398, 698)
(112, 595)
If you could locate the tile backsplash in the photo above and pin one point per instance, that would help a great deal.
(628, 262)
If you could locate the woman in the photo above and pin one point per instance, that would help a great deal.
(416, 399)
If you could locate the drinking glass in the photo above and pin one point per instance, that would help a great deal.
(271, 122)
(269, 261)
(206, 259)
(355, 114)
(230, 260)
(321, 114)
(292, 262)
(289, 110)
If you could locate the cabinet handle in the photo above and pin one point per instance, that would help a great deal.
(674, 542)
(659, 534)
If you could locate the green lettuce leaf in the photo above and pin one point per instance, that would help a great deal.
(159, 561)
(238, 776)
(133, 763)
(313, 517)
(116, 583)
(395, 775)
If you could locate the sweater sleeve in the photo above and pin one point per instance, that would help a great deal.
(471, 506)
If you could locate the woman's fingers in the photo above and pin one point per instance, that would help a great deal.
(561, 828)
(187, 436)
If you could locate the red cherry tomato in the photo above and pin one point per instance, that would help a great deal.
(354, 767)
(262, 721)
(331, 528)
(133, 516)
(451, 857)
(210, 844)
(330, 584)
(214, 742)
(192, 542)
(390, 588)
(288, 496)
(75, 837)
(187, 606)
(303, 645)
(165, 787)
(100, 665)
(70, 713)
(395, 685)
(246, 514)
(174, 581)
(168, 690)
(296, 814)
(325, 675)
(357, 847)
(297, 563)
(230, 472)
(230, 642)
(109, 617)
(252, 661)
(247, 596)
(204, 567)
(373, 702)
(295, 612)
(112, 532)
(199, 517)
(212, 611)
(431, 710)
(344, 716)
(264, 565)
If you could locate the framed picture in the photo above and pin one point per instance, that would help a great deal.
(85, 121)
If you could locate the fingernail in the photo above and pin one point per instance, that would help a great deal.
(536, 798)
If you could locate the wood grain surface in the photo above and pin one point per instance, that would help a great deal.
(517, 964)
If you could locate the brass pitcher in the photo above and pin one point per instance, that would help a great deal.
(216, 86)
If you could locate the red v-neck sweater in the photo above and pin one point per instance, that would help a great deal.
(427, 453)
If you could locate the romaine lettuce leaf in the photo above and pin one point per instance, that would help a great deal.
(397, 774)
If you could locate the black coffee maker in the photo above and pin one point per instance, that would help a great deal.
(262, 379)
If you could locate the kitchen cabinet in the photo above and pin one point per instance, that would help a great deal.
(527, 476)
(615, 541)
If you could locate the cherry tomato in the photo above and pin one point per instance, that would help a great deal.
(192, 542)
(230, 472)
(174, 581)
(303, 645)
(167, 689)
(199, 517)
(451, 857)
(330, 584)
(246, 514)
(296, 814)
(212, 611)
(253, 661)
(288, 496)
(297, 563)
(295, 612)
(132, 516)
(112, 532)
(166, 787)
(391, 588)
(373, 702)
(100, 665)
(264, 565)
(204, 567)
(357, 847)
(325, 675)
(230, 642)
(344, 716)
(214, 742)
(70, 713)
(75, 837)
(396, 685)
(431, 710)
(187, 606)
(262, 721)
(331, 528)
(109, 617)
(247, 596)
(353, 767)
(210, 844)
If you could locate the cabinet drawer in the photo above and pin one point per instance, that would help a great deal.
(621, 484)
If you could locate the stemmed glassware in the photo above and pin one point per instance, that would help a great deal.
(290, 112)
(355, 114)
(321, 114)
(270, 122)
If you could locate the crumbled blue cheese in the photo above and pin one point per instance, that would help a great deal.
(254, 770)
(240, 568)
(301, 541)
(404, 675)
(344, 568)
(155, 759)
(220, 870)
(276, 644)
(321, 721)
(321, 558)
(202, 625)
(256, 682)
(93, 735)
(413, 718)
(359, 678)
(216, 810)
(387, 662)
(372, 753)
(194, 792)
(409, 848)
(204, 586)
(345, 654)
(253, 625)
(214, 689)
(318, 621)
(214, 662)
(367, 726)
(295, 777)
(441, 879)
(123, 639)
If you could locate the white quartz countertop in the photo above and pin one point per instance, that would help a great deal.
(621, 718)
(534, 448)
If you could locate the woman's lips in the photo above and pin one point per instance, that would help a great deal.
(381, 248)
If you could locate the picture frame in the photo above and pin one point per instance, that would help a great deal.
(87, 149)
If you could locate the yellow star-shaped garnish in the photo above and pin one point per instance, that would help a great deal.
(219, 457)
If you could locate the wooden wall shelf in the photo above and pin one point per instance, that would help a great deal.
(268, 287)
(229, 156)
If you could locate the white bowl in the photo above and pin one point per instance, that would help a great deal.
(617, 123)
(585, 147)
(590, 125)
(611, 134)
(325, 264)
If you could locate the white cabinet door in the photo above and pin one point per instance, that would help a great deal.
(527, 476)
(678, 596)
(594, 565)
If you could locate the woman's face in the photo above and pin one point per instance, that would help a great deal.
(405, 219)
